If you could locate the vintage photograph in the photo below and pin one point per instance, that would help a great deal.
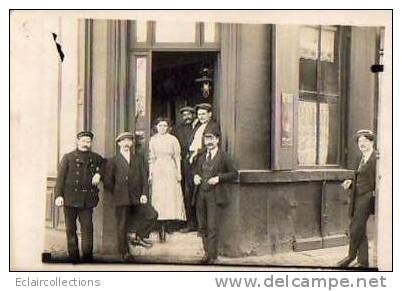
(212, 143)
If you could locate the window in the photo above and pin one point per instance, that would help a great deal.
(172, 31)
(319, 97)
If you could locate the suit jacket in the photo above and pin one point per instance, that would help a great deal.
(74, 179)
(212, 125)
(127, 182)
(221, 167)
(364, 180)
(184, 132)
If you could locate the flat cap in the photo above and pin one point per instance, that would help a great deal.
(205, 106)
(124, 135)
(213, 132)
(187, 108)
(364, 132)
(85, 133)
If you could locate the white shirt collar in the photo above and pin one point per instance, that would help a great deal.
(213, 152)
(366, 156)
(126, 155)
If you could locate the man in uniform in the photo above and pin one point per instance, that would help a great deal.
(183, 133)
(126, 179)
(212, 171)
(80, 172)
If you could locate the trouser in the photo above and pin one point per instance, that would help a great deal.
(207, 224)
(139, 218)
(84, 216)
(358, 245)
(188, 194)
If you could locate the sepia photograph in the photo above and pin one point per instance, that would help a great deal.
(183, 142)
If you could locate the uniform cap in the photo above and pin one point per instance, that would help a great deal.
(85, 133)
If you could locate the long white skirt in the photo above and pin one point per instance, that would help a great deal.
(167, 195)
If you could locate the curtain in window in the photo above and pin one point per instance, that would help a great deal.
(307, 134)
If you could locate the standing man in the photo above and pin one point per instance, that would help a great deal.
(80, 172)
(362, 202)
(183, 133)
(212, 171)
(206, 123)
(126, 179)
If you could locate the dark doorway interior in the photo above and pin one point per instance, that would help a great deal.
(173, 81)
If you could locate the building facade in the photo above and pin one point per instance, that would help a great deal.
(288, 99)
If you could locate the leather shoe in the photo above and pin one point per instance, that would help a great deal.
(188, 229)
(344, 262)
(140, 242)
(361, 266)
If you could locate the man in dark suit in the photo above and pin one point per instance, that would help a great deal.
(212, 171)
(362, 202)
(79, 173)
(126, 179)
(183, 133)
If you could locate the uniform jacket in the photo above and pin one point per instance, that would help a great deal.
(74, 179)
(222, 167)
(127, 182)
(364, 180)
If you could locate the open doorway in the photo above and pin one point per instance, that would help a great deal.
(174, 83)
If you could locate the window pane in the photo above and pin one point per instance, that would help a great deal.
(328, 44)
(140, 91)
(308, 75)
(209, 32)
(141, 31)
(329, 133)
(329, 78)
(307, 133)
(309, 42)
(167, 31)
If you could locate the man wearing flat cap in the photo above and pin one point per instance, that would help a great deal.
(80, 171)
(183, 133)
(126, 179)
(205, 123)
(362, 202)
(212, 171)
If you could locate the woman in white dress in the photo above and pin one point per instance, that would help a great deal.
(165, 176)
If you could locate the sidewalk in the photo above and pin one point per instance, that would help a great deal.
(187, 249)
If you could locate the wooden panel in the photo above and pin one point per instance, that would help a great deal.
(285, 79)
(361, 105)
(335, 209)
(308, 209)
(228, 88)
(253, 100)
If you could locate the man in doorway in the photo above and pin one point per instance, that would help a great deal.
(212, 171)
(126, 179)
(205, 123)
(80, 172)
(183, 132)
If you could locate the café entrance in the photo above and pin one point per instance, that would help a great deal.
(177, 81)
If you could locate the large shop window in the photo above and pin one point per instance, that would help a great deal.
(319, 97)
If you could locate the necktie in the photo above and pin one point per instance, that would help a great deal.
(361, 163)
(209, 156)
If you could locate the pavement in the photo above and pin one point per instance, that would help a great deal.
(186, 249)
